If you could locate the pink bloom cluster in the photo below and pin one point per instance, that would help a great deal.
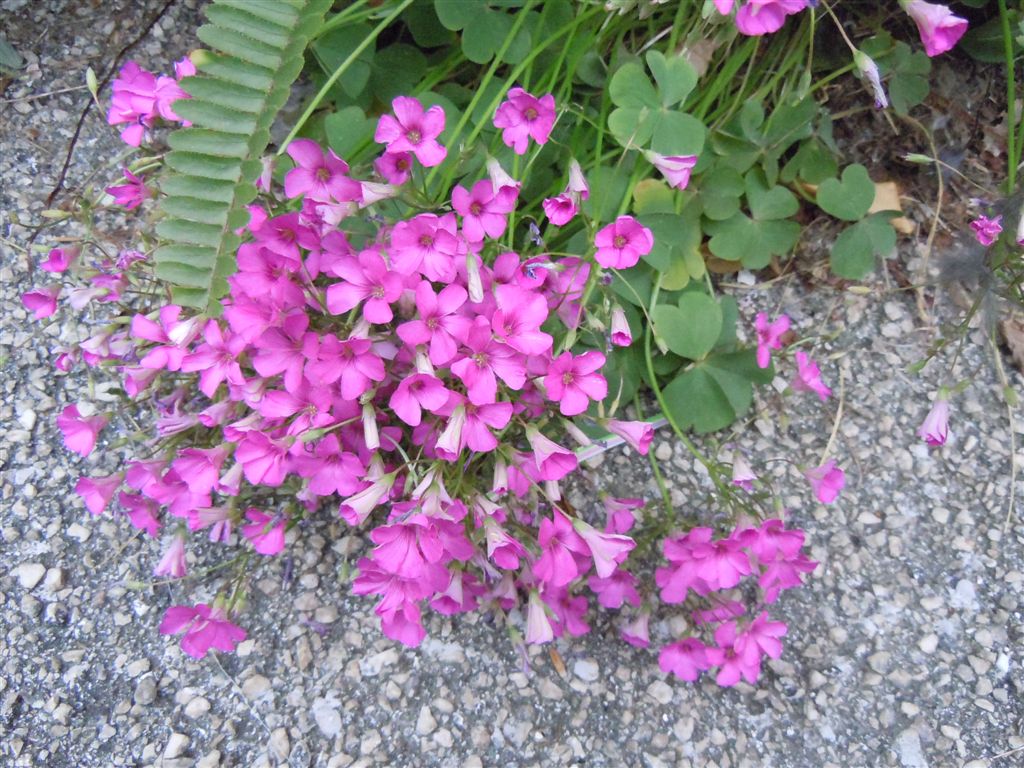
(376, 373)
(714, 568)
(140, 97)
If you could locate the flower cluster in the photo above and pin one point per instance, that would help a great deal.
(703, 565)
(417, 377)
(140, 97)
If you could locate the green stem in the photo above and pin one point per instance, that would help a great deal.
(1012, 149)
(342, 17)
(342, 68)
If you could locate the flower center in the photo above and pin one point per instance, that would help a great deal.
(530, 113)
(432, 323)
(378, 292)
(475, 209)
(480, 359)
(426, 241)
(413, 136)
(567, 378)
(323, 174)
(620, 241)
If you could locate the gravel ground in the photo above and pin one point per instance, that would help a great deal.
(905, 648)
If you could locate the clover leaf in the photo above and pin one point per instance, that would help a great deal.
(854, 252)
(850, 198)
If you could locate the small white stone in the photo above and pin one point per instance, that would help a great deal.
(255, 687)
(27, 419)
(197, 707)
(79, 533)
(586, 669)
(929, 643)
(425, 723)
(279, 744)
(30, 574)
(54, 579)
(660, 691)
(176, 745)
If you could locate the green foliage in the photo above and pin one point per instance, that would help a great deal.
(256, 52)
(904, 70)
(850, 197)
(855, 250)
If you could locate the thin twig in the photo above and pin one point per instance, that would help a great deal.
(34, 96)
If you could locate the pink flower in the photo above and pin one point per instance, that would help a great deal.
(266, 532)
(685, 659)
(939, 28)
(517, 320)
(204, 628)
(413, 130)
(826, 481)
(133, 101)
(560, 209)
(394, 167)
(538, 626)
(987, 230)
(615, 590)
(572, 381)
(742, 474)
(935, 428)
(357, 507)
(484, 211)
(132, 194)
(553, 462)
(621, 335)
(639, 434)
(438, 324)
(724, 6)
(42, 302)
(263, 459)
(620, 514)
(59, 259)
(97, 492)
(637, 632)
(80, 432)
(522, 117)
(808, 377)
(559, 546)
(365, 278)
(608, 550)
(762, 17)
(675, 168)
(622, 243)
(502, 548)
(427, 244)
(141, 512)
(869, 70)
(769, 336)
(488, 360)
(318, 175)
(415, 393)
(172, 563)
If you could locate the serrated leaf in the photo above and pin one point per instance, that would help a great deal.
(850, 198)
(257, 53)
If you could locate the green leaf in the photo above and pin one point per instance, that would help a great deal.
(985, 43)
(347, 129)
(677, 133)
(691, 328)
(257, 52)
(631, 88)
(850, 198)
(715, 392)
(855, 250)
(750, 242)
(719, 192)
(653, 196)
(675, 77)
(396, 70)
(455, 14)
(608, 186)
(336, 46)
(812, 162)
(425, 26)
(766, 203)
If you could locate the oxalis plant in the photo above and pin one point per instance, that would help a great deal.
(427, 337)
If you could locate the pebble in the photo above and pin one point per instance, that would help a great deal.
(79, 533)
(549, 689)
(27, 419)
(210, 760)
(586, 669)
(30, 574)
(176, 745)
(197, 707)
(425, 723)
(929, 643)
(278, 743)
(255, 687)
(328, 719)
(145, 692)
(909, 747)
(369, 743)
(54, 581)
(660, 691)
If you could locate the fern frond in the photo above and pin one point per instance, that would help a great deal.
(256, 52)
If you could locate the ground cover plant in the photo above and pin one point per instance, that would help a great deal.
(451, 286)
